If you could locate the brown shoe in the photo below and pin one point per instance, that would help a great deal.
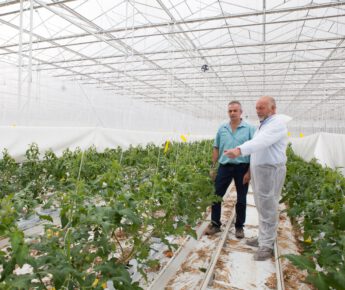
(212, 229)
(239, 233)
(263, 254)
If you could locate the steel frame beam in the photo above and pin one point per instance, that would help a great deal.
(322, 65)
(28, 9)
(193, 57)
(75, 36)
(219, 65)
(172, 73)
(293, 42)
(89, 23)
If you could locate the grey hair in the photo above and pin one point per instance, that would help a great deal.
(235, 103)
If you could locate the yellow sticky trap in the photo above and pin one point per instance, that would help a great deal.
(183, 138)
(104, 285)
(94, 284)
(166, 148)
(301, 135)
(13, 125)
(308, 240)
(289, 134)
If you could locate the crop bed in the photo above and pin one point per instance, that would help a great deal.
(87, 219)
(315, 200)
(112, 208)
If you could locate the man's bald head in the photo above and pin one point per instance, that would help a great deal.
(268, 100)
(265, 107)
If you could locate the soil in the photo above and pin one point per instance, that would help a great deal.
(272, 281)
(288, 243)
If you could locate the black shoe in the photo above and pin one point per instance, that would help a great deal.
(239, 233)
(212, 229)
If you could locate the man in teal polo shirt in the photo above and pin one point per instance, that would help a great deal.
(231, 135)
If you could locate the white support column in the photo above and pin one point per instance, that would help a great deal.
(264, 42)
(30, 42)
(20, 57)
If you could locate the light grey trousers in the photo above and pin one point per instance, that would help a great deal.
(267, 182)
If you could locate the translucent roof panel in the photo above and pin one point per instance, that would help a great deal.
(156, 49)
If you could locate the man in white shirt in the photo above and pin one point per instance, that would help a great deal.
(268, 170)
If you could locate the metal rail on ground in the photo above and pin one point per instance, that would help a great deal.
(209, 272)
(279, 269)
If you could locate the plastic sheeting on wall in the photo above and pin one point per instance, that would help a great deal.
(327, 148)
(18, 139)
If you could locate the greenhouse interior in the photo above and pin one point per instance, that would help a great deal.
(126, 123)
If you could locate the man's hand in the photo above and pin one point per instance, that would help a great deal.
(213, 174)
(233, 153)
(246, 177)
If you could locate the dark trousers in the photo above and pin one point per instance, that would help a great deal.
(225, 175)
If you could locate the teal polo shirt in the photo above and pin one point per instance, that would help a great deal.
(226, 139)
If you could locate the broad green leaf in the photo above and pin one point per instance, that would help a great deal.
(301, 262)
(318, 279)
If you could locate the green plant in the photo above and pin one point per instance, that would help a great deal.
(315, 196)
(111, 205)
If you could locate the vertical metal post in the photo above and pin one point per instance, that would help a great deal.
(20, 56)
(264, 41)
(30, 63)
(30, 42)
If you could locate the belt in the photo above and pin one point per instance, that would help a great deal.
(233, 164)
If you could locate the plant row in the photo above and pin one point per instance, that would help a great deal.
(315, 196)
(110, 206)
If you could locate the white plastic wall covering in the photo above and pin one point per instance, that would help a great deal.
(327, 148)
(58, 139)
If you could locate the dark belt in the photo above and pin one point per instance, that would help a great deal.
(233, 164)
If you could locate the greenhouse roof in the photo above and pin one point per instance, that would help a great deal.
(190, 55)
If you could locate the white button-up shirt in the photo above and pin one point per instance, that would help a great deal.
(269, 143)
